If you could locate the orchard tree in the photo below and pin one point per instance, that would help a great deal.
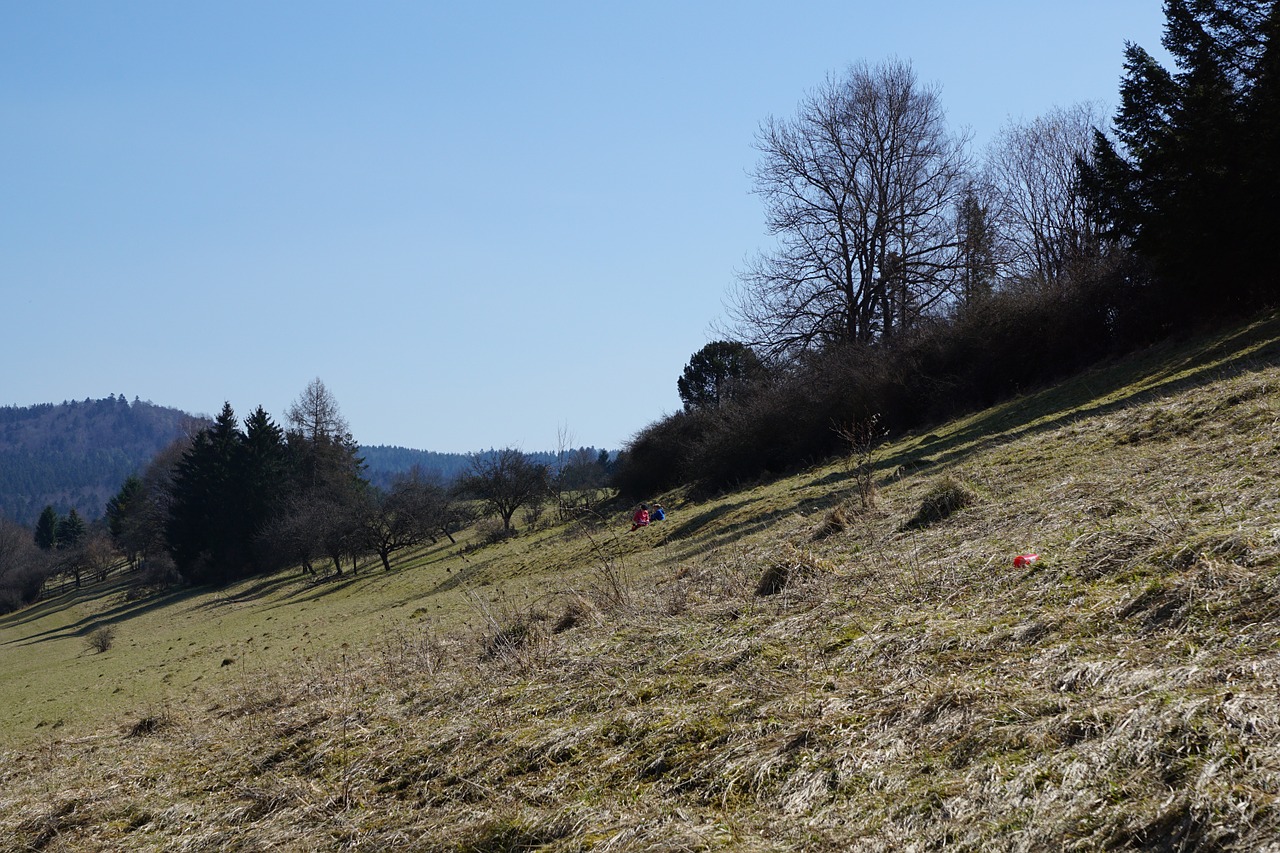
(403, 517)
(506, 480)
(860, 188)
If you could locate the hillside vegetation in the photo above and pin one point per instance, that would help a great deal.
(787, 667)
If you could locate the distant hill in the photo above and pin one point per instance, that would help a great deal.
(77, 453)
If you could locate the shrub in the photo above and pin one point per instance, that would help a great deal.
(100, 639)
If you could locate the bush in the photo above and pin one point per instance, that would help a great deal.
(660, 456)
(156, 575)
(100, 639)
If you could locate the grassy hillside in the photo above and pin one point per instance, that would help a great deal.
(583, 688)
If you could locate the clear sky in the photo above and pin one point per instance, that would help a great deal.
(478, 223)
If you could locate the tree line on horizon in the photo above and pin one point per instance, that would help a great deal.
(911, 281)
(75, 454)
(232, 500)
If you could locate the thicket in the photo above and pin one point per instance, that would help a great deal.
(24, 566)
(1008, 343)
(1144, 239)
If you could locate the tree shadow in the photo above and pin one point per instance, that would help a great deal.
(1237, 353)
(121, 612)
(701, 520)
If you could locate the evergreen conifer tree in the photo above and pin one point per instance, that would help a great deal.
(204, 530)
(47, 529)
(1192, 184)
(71, 529)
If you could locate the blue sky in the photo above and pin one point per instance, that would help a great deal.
(480, 224)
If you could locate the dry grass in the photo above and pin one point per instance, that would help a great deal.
(903, 687)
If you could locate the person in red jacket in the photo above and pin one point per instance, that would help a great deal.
(641, 518)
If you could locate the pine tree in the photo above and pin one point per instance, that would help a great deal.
(71, 530)
(47, 529)
(204, 531)
(262, 475)
(122, 512)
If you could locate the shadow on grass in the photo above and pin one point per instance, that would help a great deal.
(1149, 376)
(119, 613)
(701, 520)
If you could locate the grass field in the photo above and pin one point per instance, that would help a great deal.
(903, 686)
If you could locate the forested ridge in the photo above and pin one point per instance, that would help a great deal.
(76, 453)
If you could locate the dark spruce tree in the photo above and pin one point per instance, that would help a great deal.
(203, 525)
(47, 529)
(263, 480)
(1192, 184)
(71, 530)
(121, 512)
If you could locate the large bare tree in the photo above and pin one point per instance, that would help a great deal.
(860, 188)
(316, 414)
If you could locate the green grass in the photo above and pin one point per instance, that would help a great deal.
(578, 688)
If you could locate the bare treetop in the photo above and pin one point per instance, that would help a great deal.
(859, 188)
(316, 414)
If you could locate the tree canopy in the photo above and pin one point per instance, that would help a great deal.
(1191, 179)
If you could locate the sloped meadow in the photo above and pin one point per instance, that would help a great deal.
(799, 665)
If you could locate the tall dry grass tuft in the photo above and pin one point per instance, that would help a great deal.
(787, 565)
(945, 497)
(515, 634)
(836, 521)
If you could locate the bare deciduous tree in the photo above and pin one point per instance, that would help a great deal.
(1032, 169)
(506, 480)
(860, 188)
(316, 414)
(23, 566)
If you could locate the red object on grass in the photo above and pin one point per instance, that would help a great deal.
(1023, 560)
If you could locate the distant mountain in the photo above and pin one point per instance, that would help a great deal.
(77, 453)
